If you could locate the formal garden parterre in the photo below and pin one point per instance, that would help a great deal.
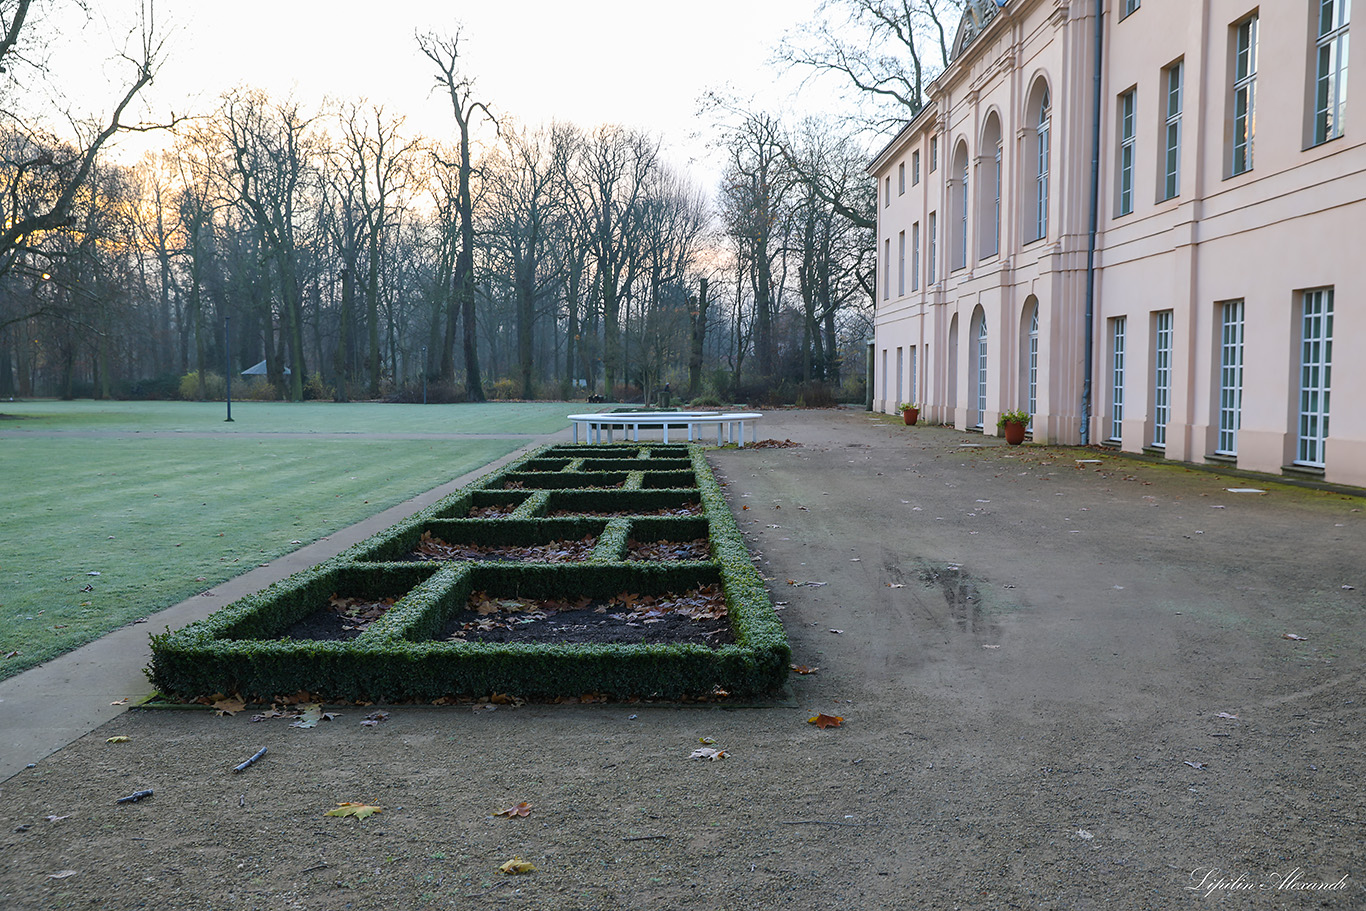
(614, 570)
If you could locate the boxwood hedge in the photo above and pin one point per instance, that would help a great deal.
(398, 657)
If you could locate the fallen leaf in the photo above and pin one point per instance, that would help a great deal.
(56, 818)
(358, 810)
(311, 715)
(824, 721)
(709, 754)
(707, 740)
(837, 632)
(802, 669)
(1226, 715)
(1194, 765)
(522, 809)
(375, 718)
(1294, 637)
(896, 584)
(123, 701)
(119, 739)
(61, 874)
(515, 866)
(229, 706)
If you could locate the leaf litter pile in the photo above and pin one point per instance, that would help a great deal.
(697, 616)
(342, 618)
(493, 511)
(659, 551)
(430, 548)
(687, 509)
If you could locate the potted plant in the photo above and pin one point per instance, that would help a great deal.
(1012, 425)
(910, 412)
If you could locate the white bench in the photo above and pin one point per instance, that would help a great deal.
(730, 426)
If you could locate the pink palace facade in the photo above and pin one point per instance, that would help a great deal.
(1229, 240)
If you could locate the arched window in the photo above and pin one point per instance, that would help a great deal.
(1045, 118)
(980, 362)
(958, 197)
(989, 177)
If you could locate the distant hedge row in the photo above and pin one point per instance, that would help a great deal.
(239, 649)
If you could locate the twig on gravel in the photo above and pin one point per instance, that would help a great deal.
(135, 796)
(644, 837)
(826, 822)
(257, 755)
(313, 869)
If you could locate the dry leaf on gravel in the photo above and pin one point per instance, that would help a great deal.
(515, 866)
(358, 810)
(824, 721)
(121, 738)
(709, 754)
(803, 669)
(229, 706)
(521, 809)
(1293, 637)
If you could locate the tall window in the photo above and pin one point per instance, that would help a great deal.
(901, 179)
(981, 341)
(1127, 102)
(911, 375)
(960, 253)
(934, 153)
(1032, 403)
(1330, 71)
(887, 196)
(887, 269)
(901, 264)
(915, 256)
(1162, 376)
(1316, 368)
(886, 403)
(1244, 94)
(931, 276)
(1117, 326)
(900, 373)
(1171, 162)
(915, 167)
(1129, 7)
(1041, 174)
(1230, 376)
(996, 205)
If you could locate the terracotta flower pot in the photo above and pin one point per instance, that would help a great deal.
(910, 415)
(1014, 432)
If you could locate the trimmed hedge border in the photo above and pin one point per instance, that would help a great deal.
(397, 658)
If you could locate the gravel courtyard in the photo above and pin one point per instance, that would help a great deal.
(1064, 684)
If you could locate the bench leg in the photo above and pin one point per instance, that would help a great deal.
(740, 438)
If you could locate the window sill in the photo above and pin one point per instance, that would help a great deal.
(1307, 472)
(1221, 458)
(1156, 451)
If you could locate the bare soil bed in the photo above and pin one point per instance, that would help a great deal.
(1064, 685)
(697, 616)
(433, 549)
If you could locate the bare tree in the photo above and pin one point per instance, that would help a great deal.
(445, 53)
(42, 174)
(886, 51)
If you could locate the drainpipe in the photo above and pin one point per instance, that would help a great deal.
(1091, 232)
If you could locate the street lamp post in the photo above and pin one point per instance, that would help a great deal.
(227, 354)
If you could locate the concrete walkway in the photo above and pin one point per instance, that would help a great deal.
(47, 707)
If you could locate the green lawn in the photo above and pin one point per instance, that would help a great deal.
(161, 517)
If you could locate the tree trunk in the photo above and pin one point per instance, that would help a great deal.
(699, 337)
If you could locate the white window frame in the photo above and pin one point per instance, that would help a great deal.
(1118, 327)
(1163, 321)
(901, 179)
(915, 168)
(980, 342)
(931, 230)
(1042, 133)
(1245, 42)
(961, 252)
(1230, 377)
(1171, 157)
(1316, 374)
(1330, 69)
(1032, 402)
(915, 256)
(901, 264)
(887, 268)
(1128, 109)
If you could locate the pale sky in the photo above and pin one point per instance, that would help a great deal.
(640, 64)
